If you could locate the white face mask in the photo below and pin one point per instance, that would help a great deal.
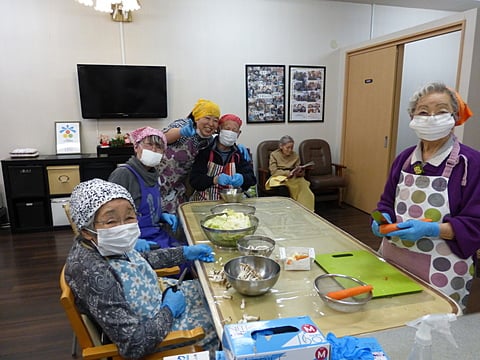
(227, 137)
(432, 128)
(117, 240)
(150, 158)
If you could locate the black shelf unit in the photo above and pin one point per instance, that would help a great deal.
(27, 189)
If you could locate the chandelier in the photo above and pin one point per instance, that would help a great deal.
(121, 10)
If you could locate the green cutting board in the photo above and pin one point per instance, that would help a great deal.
(363, 265)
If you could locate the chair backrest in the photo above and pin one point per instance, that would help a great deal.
(263, 152)
(81, 325)
(316, 150)
(66, 208)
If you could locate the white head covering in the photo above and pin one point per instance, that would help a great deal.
(89, 196)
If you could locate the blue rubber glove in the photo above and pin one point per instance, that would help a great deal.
(200, 252)
(143, 245)
(244, 152)
(175, 301)
(413, 230)
(237, 180)
(188, 129)
(224, 179)
(171, 220)
(375, 225)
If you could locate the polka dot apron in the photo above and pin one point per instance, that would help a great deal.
(430, 258)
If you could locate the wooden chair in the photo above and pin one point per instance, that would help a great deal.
(164, 272)
(326, 178)
(89, 338)
(263, 159)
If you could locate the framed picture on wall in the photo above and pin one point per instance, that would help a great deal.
(67, 137)
(265, 86)
(306, 100)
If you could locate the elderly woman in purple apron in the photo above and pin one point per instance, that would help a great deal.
(433, 195)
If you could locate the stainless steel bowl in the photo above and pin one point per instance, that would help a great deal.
(231, 195)
(237, 207)
(267, 270)
(334, 282)
(228, 238)
(256, 245)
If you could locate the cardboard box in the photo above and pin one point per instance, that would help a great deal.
(202, 355)
(288, 338)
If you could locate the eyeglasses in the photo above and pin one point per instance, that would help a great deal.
(150, 146)
(114, 221)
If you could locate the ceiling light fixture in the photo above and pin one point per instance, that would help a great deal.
(121, 10)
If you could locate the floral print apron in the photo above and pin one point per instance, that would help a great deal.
(430, 258)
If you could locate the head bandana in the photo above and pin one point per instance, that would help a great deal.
(205, 108)
(230, 117)
(140, 134)
(464, 112)
(89, 196)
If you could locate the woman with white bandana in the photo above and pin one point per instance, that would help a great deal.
(432, 193)
(116, 286)
(185, 138)
(221, 165)
(140, 177)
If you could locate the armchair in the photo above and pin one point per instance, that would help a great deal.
(326, 178)
(263, 159)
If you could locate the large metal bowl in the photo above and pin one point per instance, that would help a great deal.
(231, 195)
(334, 282)
(237, 207)
(267, 270)
(228, 238)
(256, 245)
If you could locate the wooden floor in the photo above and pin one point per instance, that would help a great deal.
(32, 322)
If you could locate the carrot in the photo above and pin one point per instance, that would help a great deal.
(353, 291)
(387, 228)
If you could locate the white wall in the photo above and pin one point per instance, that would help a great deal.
(205, 45)
(425, 61)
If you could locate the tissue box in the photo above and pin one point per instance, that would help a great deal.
(288, 338)
(202, 355)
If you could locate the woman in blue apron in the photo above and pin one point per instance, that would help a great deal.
(140, 177)
(432, 192)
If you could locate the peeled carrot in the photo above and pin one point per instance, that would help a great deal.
(387, 228)
(353, 291)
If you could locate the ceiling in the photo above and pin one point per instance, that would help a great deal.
(446, 5)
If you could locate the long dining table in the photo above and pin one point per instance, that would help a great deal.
(291, 224)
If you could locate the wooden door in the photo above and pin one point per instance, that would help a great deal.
(370, 105)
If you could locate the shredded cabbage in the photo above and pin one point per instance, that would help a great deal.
(229, 220)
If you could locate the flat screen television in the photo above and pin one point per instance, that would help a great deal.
(122, 91)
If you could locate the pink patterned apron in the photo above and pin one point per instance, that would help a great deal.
(417, 197)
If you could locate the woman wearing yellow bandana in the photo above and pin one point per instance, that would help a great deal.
(185, 138)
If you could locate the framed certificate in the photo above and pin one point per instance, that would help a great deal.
(67, 137)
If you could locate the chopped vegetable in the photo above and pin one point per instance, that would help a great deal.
(229, 220)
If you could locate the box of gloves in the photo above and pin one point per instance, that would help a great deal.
(288, 338)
